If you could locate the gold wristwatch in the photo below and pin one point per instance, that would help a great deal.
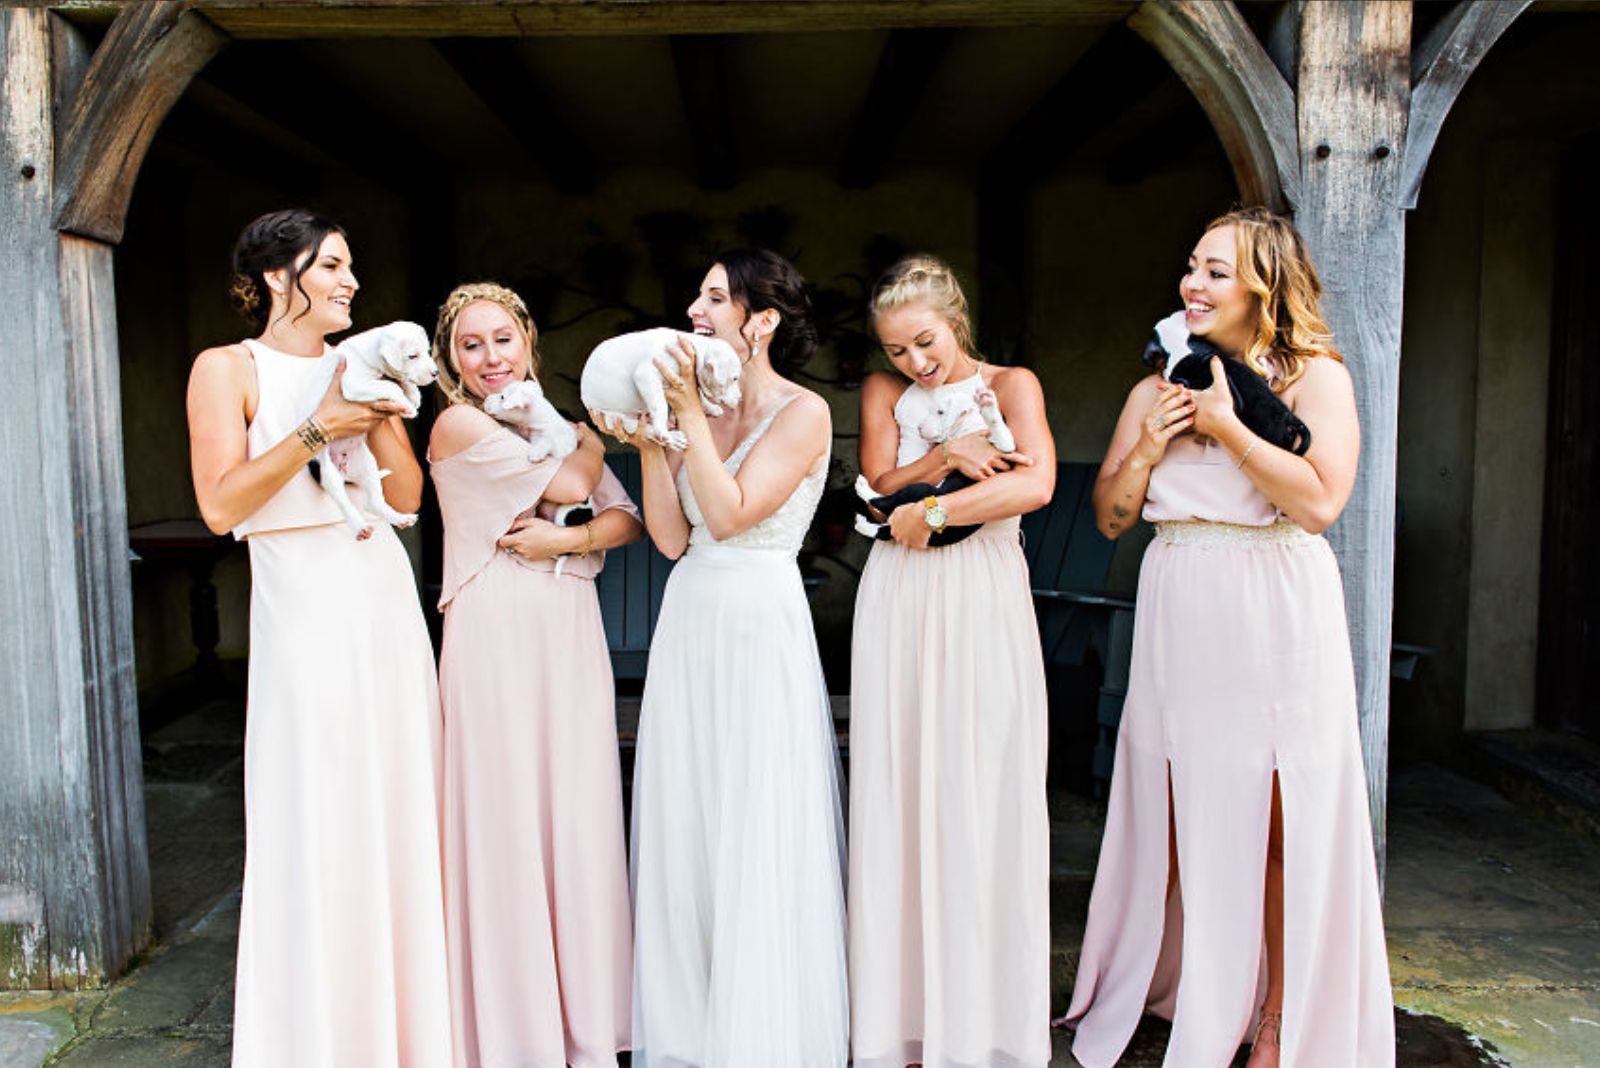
(934, 513)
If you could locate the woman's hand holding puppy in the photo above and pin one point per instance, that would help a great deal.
(340, 418)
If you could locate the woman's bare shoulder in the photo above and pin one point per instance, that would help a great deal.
(458, 428)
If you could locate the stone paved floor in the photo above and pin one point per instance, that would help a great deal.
(1493, 916)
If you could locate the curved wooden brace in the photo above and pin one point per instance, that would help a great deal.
(1252, 108)
(147, 59)
(1440, 66)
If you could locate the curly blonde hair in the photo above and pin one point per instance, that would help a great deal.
(444, 335)
(927, 280)
(1274, 264)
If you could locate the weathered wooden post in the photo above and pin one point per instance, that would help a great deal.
(74, 868)
(1344, 150)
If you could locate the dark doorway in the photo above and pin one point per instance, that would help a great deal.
(1569, 606)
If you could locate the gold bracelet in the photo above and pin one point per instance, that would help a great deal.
(1248, 450)
(311, 434)
(588, 539)
(944, 450)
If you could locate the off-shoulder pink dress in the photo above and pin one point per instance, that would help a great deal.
(1241, 665)
(536, 875)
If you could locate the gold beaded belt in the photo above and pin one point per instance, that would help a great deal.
(1203, 532)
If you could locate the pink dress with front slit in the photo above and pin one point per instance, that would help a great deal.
(1241, 665)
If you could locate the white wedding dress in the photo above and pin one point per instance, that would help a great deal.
(739, 938)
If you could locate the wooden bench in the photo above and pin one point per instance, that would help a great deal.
(1068, 561)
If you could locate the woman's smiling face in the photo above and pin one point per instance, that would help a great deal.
(1216, 304)
(920, 344)
(489, 348)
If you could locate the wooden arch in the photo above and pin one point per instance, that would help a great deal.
(1344, 148)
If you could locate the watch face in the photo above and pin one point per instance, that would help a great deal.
(935, 516)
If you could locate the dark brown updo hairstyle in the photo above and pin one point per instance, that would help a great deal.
(759, 279)
(275, 240)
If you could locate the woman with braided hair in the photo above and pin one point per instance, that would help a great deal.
(949, 833)
(536, 874)
(341, 932)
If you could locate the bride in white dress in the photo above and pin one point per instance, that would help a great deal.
(739, 951)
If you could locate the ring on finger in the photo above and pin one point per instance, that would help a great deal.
(1161, 422)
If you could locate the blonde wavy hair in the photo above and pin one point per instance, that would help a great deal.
(1273, 263)
(922, 279)
(444, 335)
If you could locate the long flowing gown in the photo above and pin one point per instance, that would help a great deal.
(536, 876)
(949, 830)
(739, 956)
(1241, 666)
(341, 936)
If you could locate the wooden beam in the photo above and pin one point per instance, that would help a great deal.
(909, 60)
(1251, 105)
(498, 77)
(701, 63)
(363, 141)
(521, 18)
(1117, 67)
(74, 869)
(142, 66)
(1439, 68)
(200, 134)
(1354, 96)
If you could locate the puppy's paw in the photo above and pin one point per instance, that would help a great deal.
(403, 521)
(364, 533)
(676, 440)
(864, 489)
(866, 526)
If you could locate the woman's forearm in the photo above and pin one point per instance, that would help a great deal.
(241, 490)
(391, 448)
(1290, 482)
(930, 468)
(1021, 490)
(1119, 498)
(612, 529)
(663, 513)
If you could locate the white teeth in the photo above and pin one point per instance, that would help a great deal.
(1199, 308)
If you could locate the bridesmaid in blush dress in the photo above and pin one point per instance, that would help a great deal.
(949, 833)
(341, 935)
(737, 832)
(1236, 892)
(536, 880)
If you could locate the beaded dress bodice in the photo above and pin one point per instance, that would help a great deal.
(785, 529)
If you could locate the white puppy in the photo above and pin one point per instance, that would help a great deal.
(621, 381)
(387, 363)
(523, 407)
(948, 412)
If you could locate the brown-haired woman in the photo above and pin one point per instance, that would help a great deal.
(949, 833)
(536, 874)
(1236, 891)
(341, 930)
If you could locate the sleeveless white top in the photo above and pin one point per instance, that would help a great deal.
(916, 404)
(281, 384)
(782, 531)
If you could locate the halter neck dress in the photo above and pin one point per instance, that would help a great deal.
(949, 830)
(341, 955)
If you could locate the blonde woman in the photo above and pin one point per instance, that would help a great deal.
(949, 836)
(1236, 892)
(536, 882)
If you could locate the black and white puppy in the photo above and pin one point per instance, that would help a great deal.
(915, 493)
(1186, 361)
